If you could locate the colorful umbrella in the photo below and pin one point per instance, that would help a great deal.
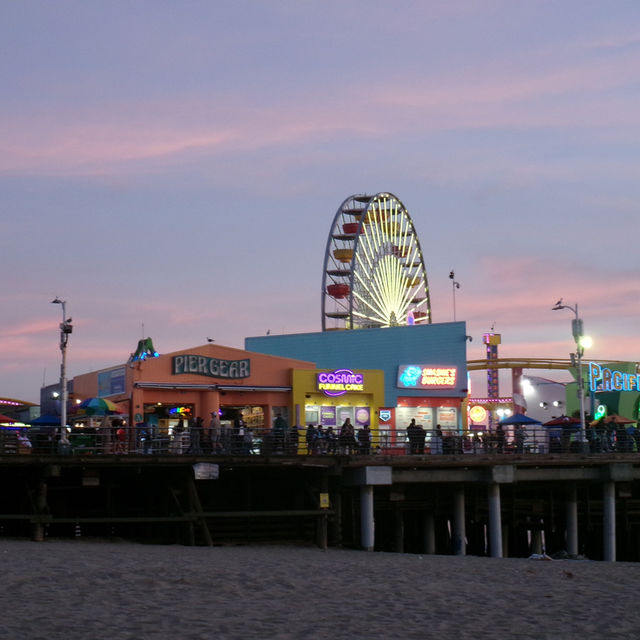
(519, 418)
(97, 407)
(614, 418)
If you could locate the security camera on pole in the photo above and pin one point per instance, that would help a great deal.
(576, 360)
(65, 330)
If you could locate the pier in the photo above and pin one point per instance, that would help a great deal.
(507, 505)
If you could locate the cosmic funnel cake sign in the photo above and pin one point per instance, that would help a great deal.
(419, 376)
(339, 382)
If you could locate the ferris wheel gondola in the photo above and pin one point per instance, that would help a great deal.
(374, 274)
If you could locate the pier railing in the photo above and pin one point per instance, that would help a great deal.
(232, 442)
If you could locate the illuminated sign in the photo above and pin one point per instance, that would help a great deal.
(426, 377)
(339, 382)
(490, 401)
(601, 412)
(477, 413)
(211, 367)
(603, 379)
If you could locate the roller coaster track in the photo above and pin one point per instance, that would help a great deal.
(527, 363)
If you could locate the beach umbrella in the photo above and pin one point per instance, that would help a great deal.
(566, 422)
(519, 418)
(97, 407)
(614, 418)
(557, 426)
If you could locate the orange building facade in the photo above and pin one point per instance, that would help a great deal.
(197, 382)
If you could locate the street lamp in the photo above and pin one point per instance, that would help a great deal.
(65, 330)
(578, 336)
(454, 285)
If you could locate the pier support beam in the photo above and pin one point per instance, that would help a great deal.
(495, 521)
(366, 478)
(459, 530)
(572, 520)
(367, 523)
(609, 521)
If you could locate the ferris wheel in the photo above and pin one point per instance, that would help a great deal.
(374, 273)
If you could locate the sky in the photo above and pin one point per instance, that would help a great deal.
(172, 169)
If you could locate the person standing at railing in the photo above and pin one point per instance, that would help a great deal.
(364, 440)
(347, 438)
(416, 435)
(520, 435)
(437, 441)
(279, 432)
(331, 440)
(195, 436)
(310, 438)
(215, 432)
(501, 438)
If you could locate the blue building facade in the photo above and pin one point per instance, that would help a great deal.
(424, 366)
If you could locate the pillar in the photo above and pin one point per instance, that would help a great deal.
(459, 530)
(41, 509)
(209, 403)
(367, 525)
(398, 528)
(495, 521)
(429, 533)
(268, 416)
(572, 520)
(609, 521)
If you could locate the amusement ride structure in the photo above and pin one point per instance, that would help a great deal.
(374, 274)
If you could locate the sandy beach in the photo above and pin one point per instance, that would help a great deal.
(83, 589)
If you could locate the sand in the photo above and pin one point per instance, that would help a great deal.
(95, 590)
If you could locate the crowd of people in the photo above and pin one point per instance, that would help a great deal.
(193, 437)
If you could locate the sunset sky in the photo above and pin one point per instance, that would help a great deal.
(172, 169)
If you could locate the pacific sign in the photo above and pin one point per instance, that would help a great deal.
(211, 367)
(426, 377)
(339, 382)
(603, 379)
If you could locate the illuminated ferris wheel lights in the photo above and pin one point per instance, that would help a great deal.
(382, 266)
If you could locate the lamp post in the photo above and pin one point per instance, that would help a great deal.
(454, 285)
(577, 331)
(65, 330)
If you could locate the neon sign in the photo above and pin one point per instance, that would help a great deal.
(426, 377)
(603, 379)
(339, 382)
(477, 413)
(211, 367)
